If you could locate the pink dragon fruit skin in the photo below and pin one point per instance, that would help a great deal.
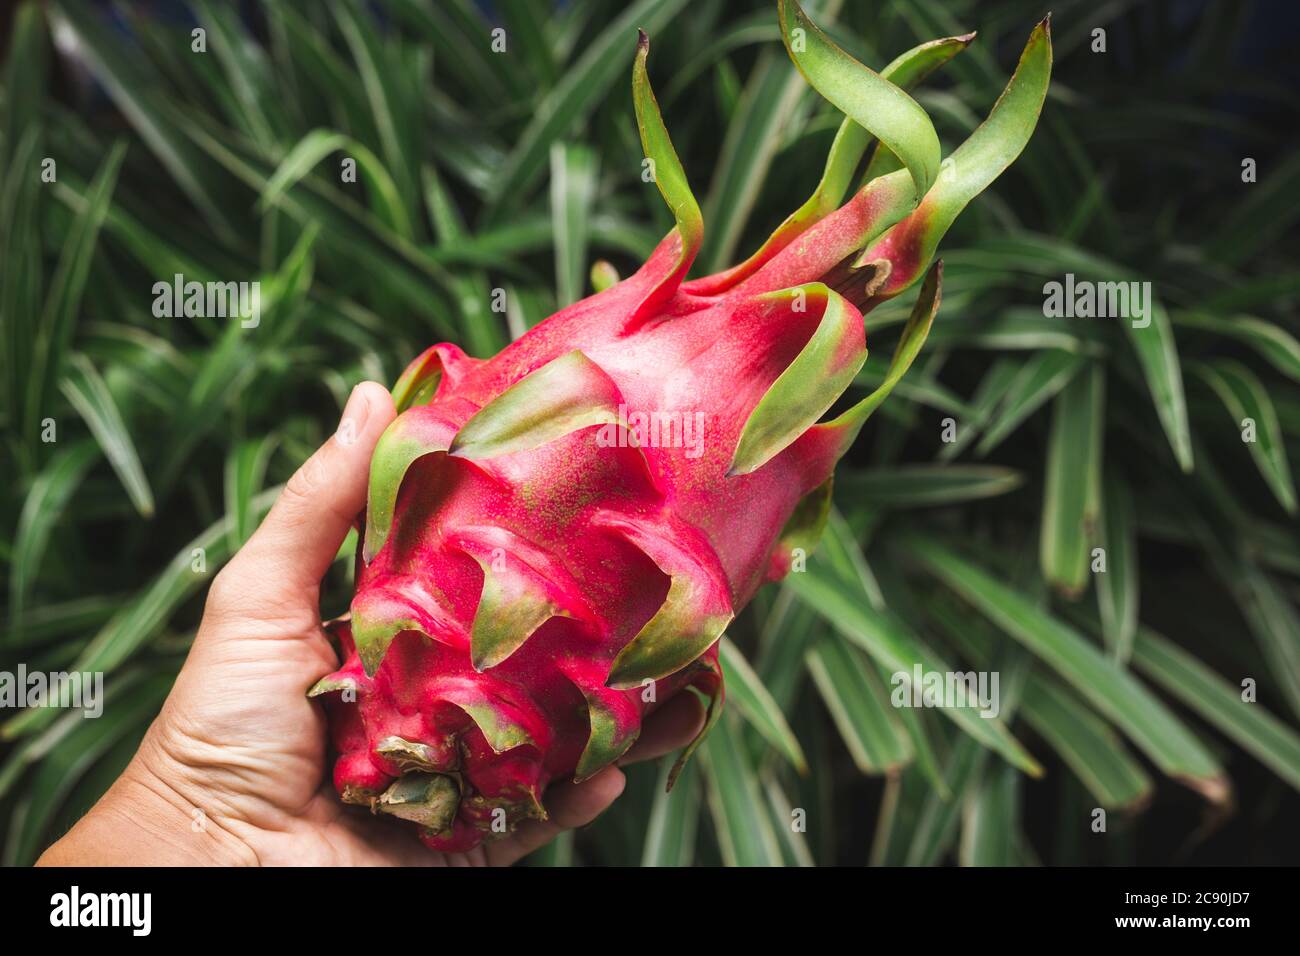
(557, 537)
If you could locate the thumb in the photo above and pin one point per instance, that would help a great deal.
(283, 562)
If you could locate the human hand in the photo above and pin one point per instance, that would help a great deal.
(233, 770)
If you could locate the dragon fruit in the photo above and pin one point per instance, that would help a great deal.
(556, 538)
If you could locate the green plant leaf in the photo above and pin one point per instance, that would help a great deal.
(745, 691)
(42, 508)
(1114, 692)
(989, 817)
(773, 92)
(1087, 745)
(49, 622)
(245, 474)
(86, 391)
(138, 620)
(68, 763)
(383, 90)
(1072, 492)
(979, 410)
(670, 831)
(1157, 353)
(312, 149)
(922, 486)
(1151, 336)
(1254, 729)
(470, 289)
(1040, 378)
(1273, 621)
(64, 299)
(890, 644)
(938, 819)
(1253, 415)
(1117, 589)
(744, 828)
(859, 705)
(126, 83)
(785, 822)
(1273, 343)
(574, 171)
(581, 87)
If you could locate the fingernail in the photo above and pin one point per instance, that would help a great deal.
(354, 417)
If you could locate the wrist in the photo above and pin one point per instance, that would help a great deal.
(144, 821)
